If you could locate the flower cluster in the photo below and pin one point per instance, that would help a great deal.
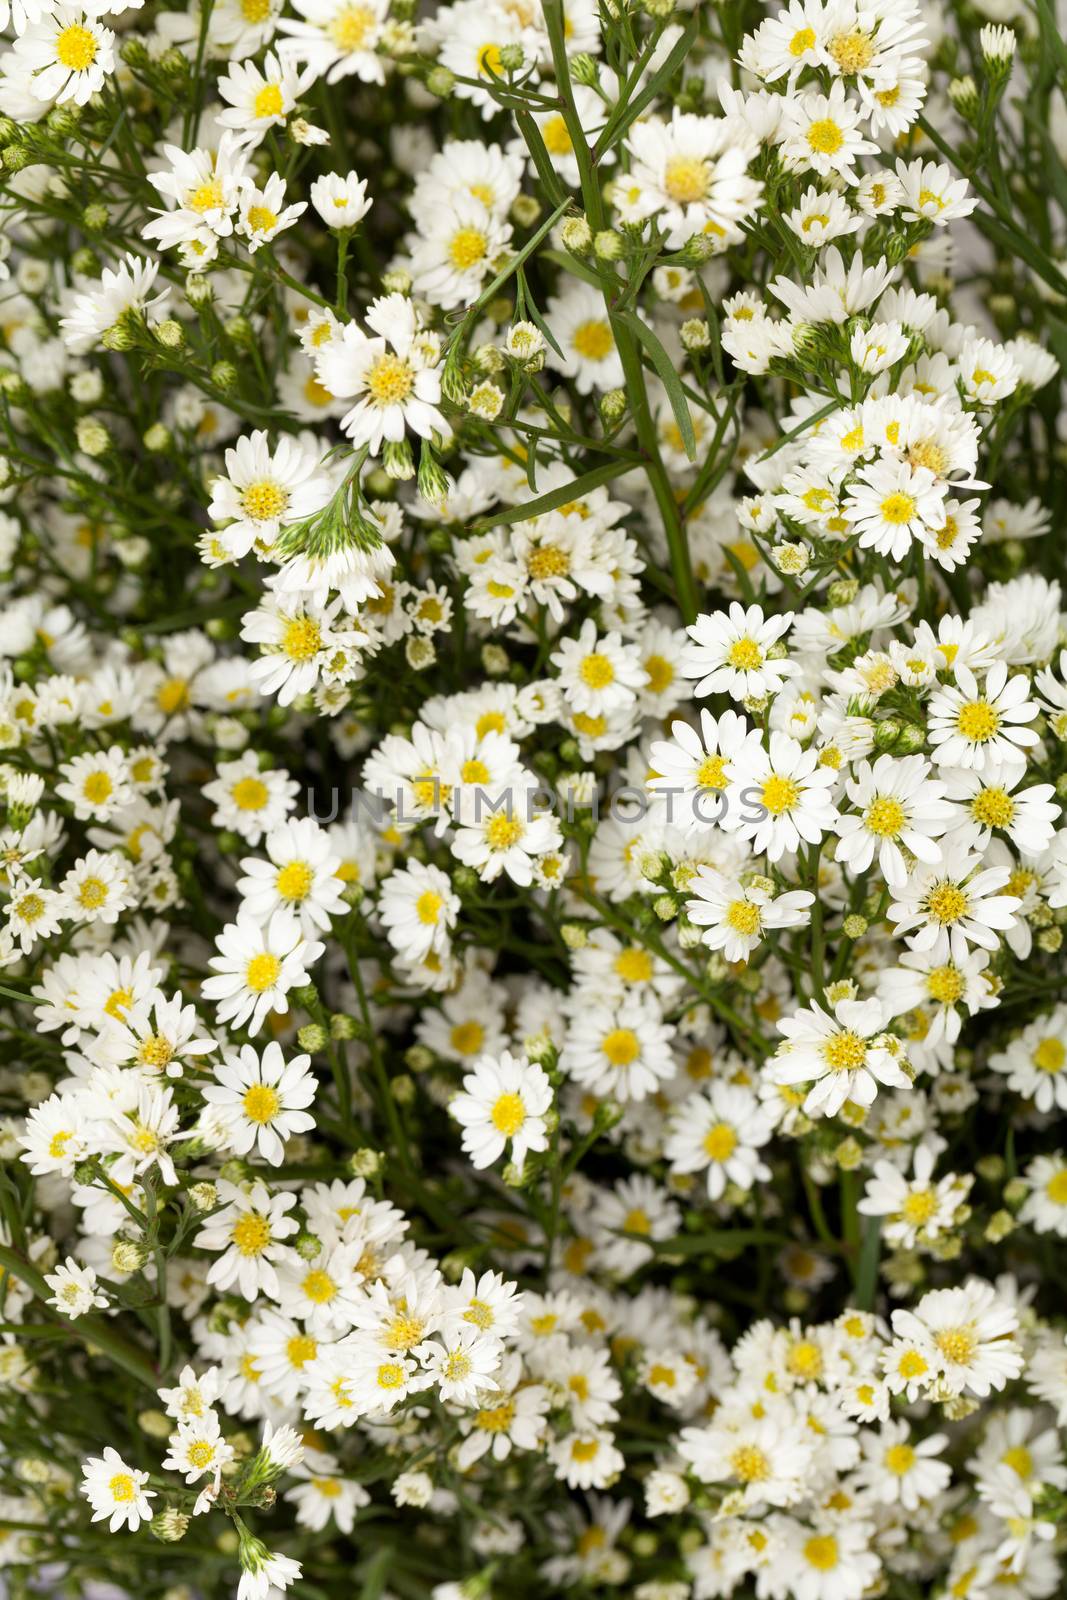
(533, 799)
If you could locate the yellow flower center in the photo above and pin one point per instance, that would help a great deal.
(1049, 1055)
(993, 808)
(264, 500)
(349, 28)
(621, 1046)
(805, 1359)
(1056, 1188)
(251, 1233)
(852, 51)
(779, 794)
(404, 1332)
(92, 894)
(301, 1349)
(428, 907)
(957, 1345)
(1019, 1460)
(745, 655)
(825, 137)
(467, 248)
(845, 1052)
(261, 219)
(596, 671)
(75, 48)
(249, 794)
(489, 63)
(928, 453)
(502, 832)
(508, 1114)
(919, 1206)
(122, 1488)
(801, 41)
(947, 903)
(548, 561)
(743, 917)
(201, 1453)
(660, 673)
(897, 508)
(750, 1465)
(634, 965)
(319, 1288)
(820, 1552)
(389, 380)
(497, 1419)
(294, 880)
(206, 196)
(687, 179)
(885, 817)
(557, 140)
(978, 721)
(97, 787)
(171, 696)
(711, 773)
(116, 1003)
(261, 1103)
(899, 1459)
(720, 1142)
(156, 1052)
(479, 1314)
(302, 639)
(593, 340)
(262, 971)
(268, 102)
(945, 984)
(466, 1038)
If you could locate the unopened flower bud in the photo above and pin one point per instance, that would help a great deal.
(577, 236)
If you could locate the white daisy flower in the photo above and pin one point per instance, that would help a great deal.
(970, 726)
(720, 1131)
(256, 966)
(503, 1099)
(844, 1055)
(736, 913)
(967, 1335)
(66, 54)
(392, 377)
(261, 1100)
(250, 1230)
(731, 653)
(898, 807)
(265, 488)
(300, 875)
(946, 907)
(780, 797)
(74, 1290)
(116, 1492)
(418, 909)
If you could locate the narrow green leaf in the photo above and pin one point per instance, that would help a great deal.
(867, 1266)
(617, 126)
(376, 1574)
(669, 378)
(555, 497)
